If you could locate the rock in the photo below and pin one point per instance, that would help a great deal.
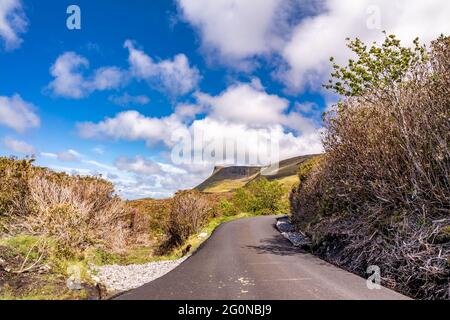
(288, 231)
(203, 235)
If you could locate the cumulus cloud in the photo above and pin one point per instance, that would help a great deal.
(19, 146)
(70, 80)
(251, 105)
(126, 99)
(12, 23)
(304, 34)
(175, 77)
(236, 29)
(242, 113)
(17, 114)
(132, 126)
(172, 76)
(243, 103)
(149, 178)
(138, 165)
(189, 111)
(307, 56)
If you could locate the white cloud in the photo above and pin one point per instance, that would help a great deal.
(243, 103)
(18, 146)
(175, 77)
(251, 105)
(17, 113)
(70, 81)
(243, 112)
(305, 33)
(188, 111)
(315, 39)
(250, 144)
(69, 156)
(138, 165)
(49, 155)
(132, 126)
(12, 23)
(126, 99)
(235, 29)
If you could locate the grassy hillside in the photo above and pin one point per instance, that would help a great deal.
(227, 179)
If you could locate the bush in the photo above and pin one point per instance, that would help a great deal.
(262, 197)
(75, 211)
(14, 191)
(78, 211)
(227, 208)
(189, 212)
(383, 185)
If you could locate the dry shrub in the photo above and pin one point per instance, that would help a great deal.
(78, 211)
(14, 175)
(189, 212)
(381, 194)
(150, 215)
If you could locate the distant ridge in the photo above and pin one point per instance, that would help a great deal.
(226, 179)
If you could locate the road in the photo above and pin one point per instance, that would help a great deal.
(250, 260)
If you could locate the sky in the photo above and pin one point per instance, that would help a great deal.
(148, 94)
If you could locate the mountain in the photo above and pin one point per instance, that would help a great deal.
(226, 179)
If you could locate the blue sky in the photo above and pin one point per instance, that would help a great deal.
(110, 98)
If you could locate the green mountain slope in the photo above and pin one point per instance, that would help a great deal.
(226, 179)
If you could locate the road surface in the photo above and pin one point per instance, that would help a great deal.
(249, 259)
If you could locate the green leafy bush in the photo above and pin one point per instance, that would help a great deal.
(227, 208)
(261, 197)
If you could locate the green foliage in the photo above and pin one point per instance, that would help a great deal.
(376, 67)
(22, 245)
(261, 197)
(227, 208)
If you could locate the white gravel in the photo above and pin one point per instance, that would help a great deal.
(298, 239)
(123, 278)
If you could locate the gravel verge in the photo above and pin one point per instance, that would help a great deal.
(298, 239)
(118, 279)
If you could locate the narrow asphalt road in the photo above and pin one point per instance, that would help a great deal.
(249, 259)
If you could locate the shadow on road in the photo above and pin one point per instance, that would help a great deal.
(277, 245)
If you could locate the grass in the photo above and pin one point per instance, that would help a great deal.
(289, 182)
(52, 290)
(35, 285)
(226, 185)
(22, 245)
